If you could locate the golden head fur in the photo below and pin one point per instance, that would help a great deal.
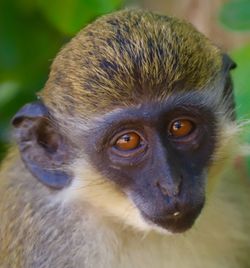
(127, 57)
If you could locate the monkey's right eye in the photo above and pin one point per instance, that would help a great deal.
(128, 141)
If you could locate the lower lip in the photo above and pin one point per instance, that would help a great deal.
(177, 223)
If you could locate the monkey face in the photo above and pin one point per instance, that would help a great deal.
(133, 120)
(158, 156)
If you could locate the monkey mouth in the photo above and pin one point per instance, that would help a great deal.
(178, 222)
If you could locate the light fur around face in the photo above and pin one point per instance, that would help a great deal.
(95, 241)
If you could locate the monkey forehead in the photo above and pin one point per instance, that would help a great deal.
(128, 56)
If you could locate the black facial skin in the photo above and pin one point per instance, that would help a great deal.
(165, 177)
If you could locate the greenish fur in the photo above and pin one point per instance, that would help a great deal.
(153, 56)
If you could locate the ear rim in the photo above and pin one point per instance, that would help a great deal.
(35, 113)
(30, 110)
(55, 179)
(228, 63)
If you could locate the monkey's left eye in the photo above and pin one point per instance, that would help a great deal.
(181, 128)
(128, 141)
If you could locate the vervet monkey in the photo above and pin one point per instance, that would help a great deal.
(117, 163)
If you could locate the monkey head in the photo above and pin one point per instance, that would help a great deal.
(135, 120)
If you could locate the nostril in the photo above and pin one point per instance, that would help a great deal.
(168, 189)
(162, 188)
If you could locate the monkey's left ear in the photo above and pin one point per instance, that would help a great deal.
(44, 150)
(228, 63)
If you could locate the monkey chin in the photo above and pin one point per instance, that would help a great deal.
(174, 224)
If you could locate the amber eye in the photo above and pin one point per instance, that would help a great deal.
(181, 128)
(128, 141)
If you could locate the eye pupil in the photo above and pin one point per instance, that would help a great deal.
(128, 141)
(126, 138)
(177, 125)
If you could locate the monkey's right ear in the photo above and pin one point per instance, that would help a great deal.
(43, 149)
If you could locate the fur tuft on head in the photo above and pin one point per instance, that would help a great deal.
(128, 57)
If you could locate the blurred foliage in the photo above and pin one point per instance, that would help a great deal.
(32, 32)
(235, 15)
(241, 77)
(71, 16)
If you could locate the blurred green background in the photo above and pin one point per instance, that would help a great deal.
(33, 31)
